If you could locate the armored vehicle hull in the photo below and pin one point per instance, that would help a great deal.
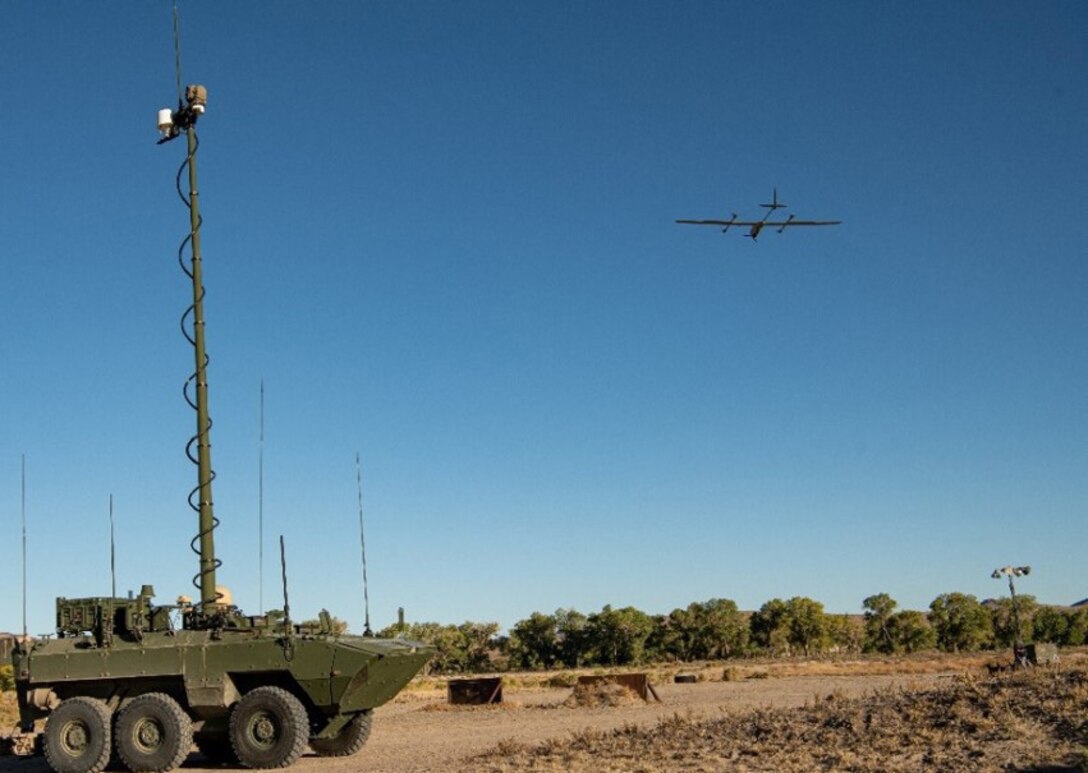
(243, 689)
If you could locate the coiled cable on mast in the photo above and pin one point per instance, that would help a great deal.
(191, 105)
(201, 436)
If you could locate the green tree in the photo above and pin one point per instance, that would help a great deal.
(807, 625)
(703, 631)
(572, 638)
(769, 627)
(477, 643)
(846, 633)
(911, 632)
(674, 635)
(962, 624)
(878, 612)
(1077, 632)
(618, 636)
(1050, 625)
(1002, 618)
(534, 642)
(662, 643)
(724, 631)
(459, 648)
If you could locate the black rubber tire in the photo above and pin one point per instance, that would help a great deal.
(153, 734)
(77, 736)
(217, 749)
(351, 738)
(269, 728)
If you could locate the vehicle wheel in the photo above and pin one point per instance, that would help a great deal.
(153, 734)
(350, 739)
(268, 728)
(77, 736)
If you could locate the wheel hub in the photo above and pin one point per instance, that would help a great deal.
(264, 729)
(149, 734)
(76, 737)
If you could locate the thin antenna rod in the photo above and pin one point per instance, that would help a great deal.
(23, 507)
(177, 50)
(286, 603)
(362, 546)
(260, 510)
(113, 556)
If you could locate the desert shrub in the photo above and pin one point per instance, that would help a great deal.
(7, 678)
(562, 679)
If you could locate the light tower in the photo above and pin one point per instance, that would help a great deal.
(1019, 651)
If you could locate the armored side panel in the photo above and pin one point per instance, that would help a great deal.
(208, 671)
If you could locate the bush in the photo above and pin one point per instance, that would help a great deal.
(563, 679)
(7, 678)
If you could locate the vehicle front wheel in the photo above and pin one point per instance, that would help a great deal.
(269, 728)
(153, 734)
(77, 736)
(349, 740)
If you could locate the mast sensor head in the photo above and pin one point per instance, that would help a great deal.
(197, 97)
(173, 122)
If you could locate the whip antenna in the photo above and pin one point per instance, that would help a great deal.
(23, 508)
(283, 574)
(113, 562)
(260, 510)
(177, 52)
(362, 546)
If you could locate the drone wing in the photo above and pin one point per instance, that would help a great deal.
(718, 222)
(790, 223)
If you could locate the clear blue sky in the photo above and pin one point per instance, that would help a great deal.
(443, 235)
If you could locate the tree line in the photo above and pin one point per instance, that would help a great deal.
(717, 629)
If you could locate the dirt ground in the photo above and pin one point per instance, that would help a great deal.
(421, 733)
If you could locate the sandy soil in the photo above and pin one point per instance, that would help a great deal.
(422, 733)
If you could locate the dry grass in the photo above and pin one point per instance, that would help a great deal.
(9, 716)
(1023, 721)
(9, 709)
(504, 706)
(601, 695)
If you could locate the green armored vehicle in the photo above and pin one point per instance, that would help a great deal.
(121, 677)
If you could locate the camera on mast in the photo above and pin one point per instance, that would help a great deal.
(173, 122)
